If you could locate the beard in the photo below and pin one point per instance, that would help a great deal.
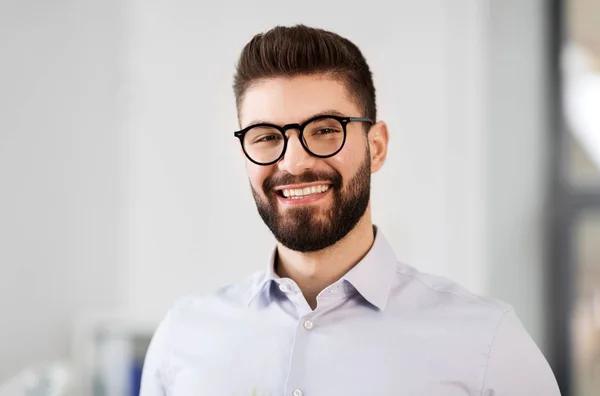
(310, 228)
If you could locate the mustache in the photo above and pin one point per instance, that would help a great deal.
(282, 179)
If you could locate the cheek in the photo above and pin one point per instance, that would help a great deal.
(356, 143)
(257, 175)
(349, 159)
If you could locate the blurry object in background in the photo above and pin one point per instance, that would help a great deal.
(120, 359)
(575, 247)
(585, 322)
(582, 23)
(581, 87)
(109, 352)
(114, 361)
(56, 379)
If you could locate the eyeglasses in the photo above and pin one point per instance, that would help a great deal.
(322, 136)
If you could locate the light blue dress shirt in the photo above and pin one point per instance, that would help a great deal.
(383, 329)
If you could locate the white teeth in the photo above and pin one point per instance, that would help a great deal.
(301, 192)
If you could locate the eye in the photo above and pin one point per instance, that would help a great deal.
(266, 138)
(326, 131)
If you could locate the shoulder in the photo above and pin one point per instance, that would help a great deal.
(515, 363)
(445, 298)
(512, 362)
(229, 297)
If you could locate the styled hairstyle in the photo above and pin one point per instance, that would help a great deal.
(301, 50)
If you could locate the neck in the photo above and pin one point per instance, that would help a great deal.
(314, 271)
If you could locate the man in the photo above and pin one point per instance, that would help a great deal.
(334, 313)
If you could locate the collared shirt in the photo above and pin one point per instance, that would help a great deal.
(383, 329)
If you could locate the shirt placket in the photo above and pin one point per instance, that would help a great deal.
(307, 324)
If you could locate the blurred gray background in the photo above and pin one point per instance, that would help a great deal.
(122, 188)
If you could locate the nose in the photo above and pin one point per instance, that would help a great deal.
(296, 159)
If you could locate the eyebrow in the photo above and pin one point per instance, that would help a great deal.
(319, 114)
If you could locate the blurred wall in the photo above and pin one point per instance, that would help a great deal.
(61, 172)
(123, 186)
(517, 158)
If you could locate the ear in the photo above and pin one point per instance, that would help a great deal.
(378, 144)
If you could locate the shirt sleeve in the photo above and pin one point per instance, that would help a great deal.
(152, 383)
(516, 366)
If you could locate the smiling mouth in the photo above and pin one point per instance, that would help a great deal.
(299, 193)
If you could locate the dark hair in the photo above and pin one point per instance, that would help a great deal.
(302, 50)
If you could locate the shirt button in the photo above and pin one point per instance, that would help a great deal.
(283, 288)
(297, 392)
(308, 325)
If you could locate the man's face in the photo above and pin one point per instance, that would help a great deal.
(339, 186)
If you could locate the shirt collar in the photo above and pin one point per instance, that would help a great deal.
(372, 276)
(265, 281)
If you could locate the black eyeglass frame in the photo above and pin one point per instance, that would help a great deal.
(344, 121)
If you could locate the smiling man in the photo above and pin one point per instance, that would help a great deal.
(334, 312)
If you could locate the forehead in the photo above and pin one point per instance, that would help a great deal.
(291, 100)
